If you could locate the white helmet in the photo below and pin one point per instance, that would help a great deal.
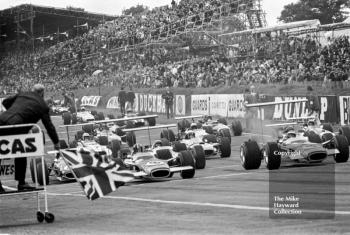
(86, 136)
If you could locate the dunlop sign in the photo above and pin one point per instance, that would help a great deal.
(28, 145)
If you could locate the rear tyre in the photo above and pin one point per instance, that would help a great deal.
(225, 147)
(178, 147)
(168, 134)
(208, 129)
(225, 133)
(79, 135)
(164, 154)
(74, 119)
(237, 128)
(38, 165)
(165, 142)
(272, 160)
(199, 156)
(88, 128)
(345, 131)
(250, 155)
(183, 125)
(151, 121)
(328, 127)
(343, 147)
(186, 159)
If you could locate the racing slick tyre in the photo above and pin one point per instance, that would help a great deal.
(210, 139)
(63, 144)
(67, 118)
(313, 137)
(178, 146)
(183, 125)
(199, 156)
(131, 138)
(100, 116)
(225, 147)
(150, 121)
(345, 131)
(164, 154)
(222, 121)
(79, 135)
(74, 119)
(208, 129)
(237, 128)
(39, 171)
(199, 125)
(327, 127)
(119, 132)
(168, 134)
(165, 142)
(186, 159)
(103, 140)
(250, 155)
(88, 128)
(225, 133)
(343, 146)
(115, 147)
(272, 160)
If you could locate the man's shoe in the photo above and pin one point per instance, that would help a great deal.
(25, 186)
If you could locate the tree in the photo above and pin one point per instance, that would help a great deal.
(138, 10)
(327, 11)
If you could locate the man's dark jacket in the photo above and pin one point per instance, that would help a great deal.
(25, 108)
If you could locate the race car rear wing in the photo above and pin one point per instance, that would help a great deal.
(274, 103)
(189, 117)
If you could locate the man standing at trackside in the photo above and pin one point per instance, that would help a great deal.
(131, 98)
(122, 100)
(168, 97)
(26, 108)
(313, 105)
(251, 114)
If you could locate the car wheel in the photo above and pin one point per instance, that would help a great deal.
(151, 121)
(103, 140)
(225, 133)
(343, 147)
(88, 128)
(222, 121)
(79, 135)
(208, 129)
(178, 146)
(165, 142)
(225, 147)
(131, 138)
(237, 128)
(186, 159)
(313, 137)
(345, 131)
(272, 160)
(168, 134)
(38, 165)
(164, 154)
(115, 147)
(327, 127)
(199, 156)
(250, 155)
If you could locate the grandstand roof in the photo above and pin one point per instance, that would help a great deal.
(47, 20)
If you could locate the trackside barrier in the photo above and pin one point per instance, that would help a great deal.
(16, 142)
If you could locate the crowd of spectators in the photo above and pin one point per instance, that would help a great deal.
(263, 58)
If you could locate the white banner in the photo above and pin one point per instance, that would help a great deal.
(113, 103)
(90, 101)
(180, 105)
(292, 110)
(344, 106)
(28, 145)
(152, 103)
(200, 105)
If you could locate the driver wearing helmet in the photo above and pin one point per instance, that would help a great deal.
(86, 136)
(157, 144)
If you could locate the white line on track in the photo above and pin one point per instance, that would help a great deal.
(206, 204)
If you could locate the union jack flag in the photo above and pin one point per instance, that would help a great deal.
(97, 175)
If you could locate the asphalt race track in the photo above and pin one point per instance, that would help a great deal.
(221, 199)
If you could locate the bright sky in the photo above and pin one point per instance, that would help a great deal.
(272, 8)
